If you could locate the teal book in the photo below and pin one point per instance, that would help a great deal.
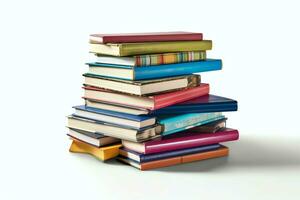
(176, 123)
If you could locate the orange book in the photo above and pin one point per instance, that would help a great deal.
(222, 151)
(101, 153)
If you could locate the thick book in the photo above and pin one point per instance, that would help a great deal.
(141, 158)
(221, 152)
(102, 153)
(151, 102)
(114, 130)
(145, 37)
(153, 59)
(143, 87)
(92, 138)
(182, 140)
(175, 123)
(207, 103)
(131, 49)
(153, 72)
(108, 116)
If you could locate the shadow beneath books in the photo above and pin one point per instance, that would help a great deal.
(250, 152)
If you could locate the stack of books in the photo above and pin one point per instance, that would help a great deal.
(145, 104)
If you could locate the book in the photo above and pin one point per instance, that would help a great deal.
(153, 72)
(212, 127)
(175, 123)
(151, 102)
(141, 158)
(143, 87)
(92, 138)
(206, 103)
(108, 116)
(145, 37)
(102, 153)
(114, 130)
(182, 140)
(131, 49)
(152, 59)
(221, 152)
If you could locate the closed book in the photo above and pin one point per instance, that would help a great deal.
(145, 37)
(221, 152)
(175, 123)
(143, 87)
(182, 140)
(152, 59)
(92, 138)
(153, 72)
(114, 130)
(206, 103)
(109, 116)
(130, 49)
(151, 102)
(141, 158)
(101, 153)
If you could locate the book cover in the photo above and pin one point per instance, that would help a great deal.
(102, 153)
(154, 72)
(141, 158)
(151, 102)
(145, 37)
(172, 124)
(206, 103)
(221, 152)
(153, 59)
(182, 140)
(130, 49)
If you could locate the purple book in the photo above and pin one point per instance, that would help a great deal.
(182, 140)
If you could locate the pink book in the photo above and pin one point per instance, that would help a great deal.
(145, 37)
(182, 140)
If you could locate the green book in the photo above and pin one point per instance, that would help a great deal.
(130, 49)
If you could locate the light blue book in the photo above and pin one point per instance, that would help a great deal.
(173, 124)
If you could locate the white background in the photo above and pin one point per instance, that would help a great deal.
(43, 48)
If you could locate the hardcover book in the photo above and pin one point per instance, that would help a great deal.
(182, 140)
(153, 72)
(152, 102)
(108, 116)
(143, 87)
(141, 158)
(92, 138)
(102, 153)
(114, 130)
(175, 123)
(153, 59)
(145, 37)
(222, 151)
(131, 49)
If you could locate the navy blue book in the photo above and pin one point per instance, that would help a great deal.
(207, 103)
(142, 158)
(109, 116)
(153, 72)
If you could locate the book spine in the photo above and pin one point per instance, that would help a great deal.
(203, 139)
(169, 70)
(152, 38)
(165, 100)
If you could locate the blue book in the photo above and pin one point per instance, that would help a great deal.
(109, 116)
(175, 123)
(152, 72)
(142, 158)
(207, 103)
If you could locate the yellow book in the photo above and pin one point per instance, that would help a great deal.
(102, 153)
(130, 49)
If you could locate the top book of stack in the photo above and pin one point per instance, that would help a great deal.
(147, 43)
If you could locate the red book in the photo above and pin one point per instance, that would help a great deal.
(182, 140)
(145, 37)
(153, 102)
